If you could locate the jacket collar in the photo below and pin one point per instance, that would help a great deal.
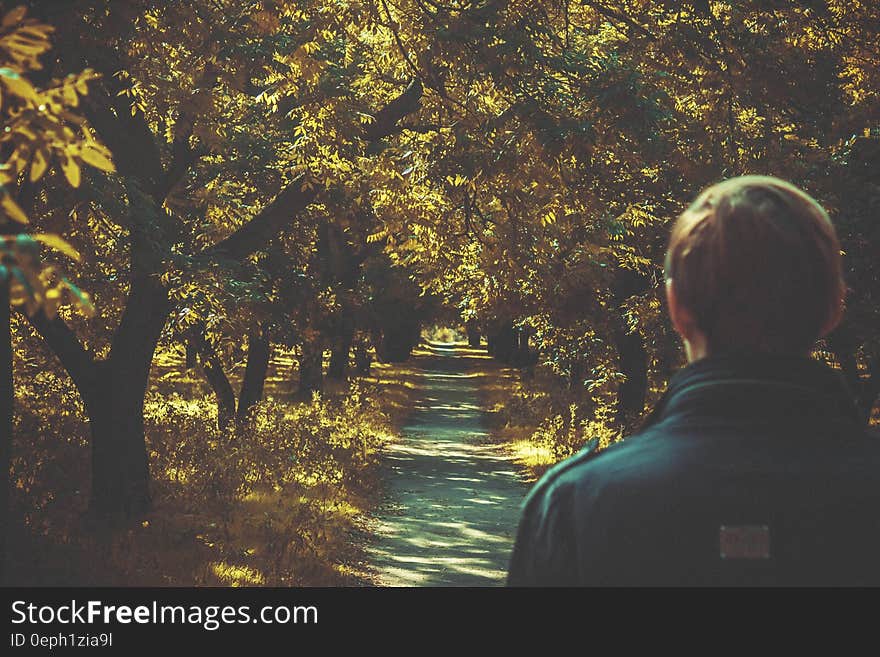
(757, 387)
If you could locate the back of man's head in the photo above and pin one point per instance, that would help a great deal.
(756, 263)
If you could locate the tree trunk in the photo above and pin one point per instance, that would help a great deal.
(864, 389)
(362, 358)
(219, 382)
(120, 470)
(338, 367)
(378, 344)
(259, 351)
(524, 355)
(633, 364)
(576, 374)
(504, 344)
(7, 402)
(473, 333)
(398, 341)
(115, 404)
(311, 375)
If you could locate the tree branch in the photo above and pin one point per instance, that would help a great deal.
(385, 120)
(78, 362)
(183, 156)
(254, 234)
(299, 194)
(128, 137)
(618, 16)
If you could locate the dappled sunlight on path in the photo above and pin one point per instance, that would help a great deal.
(453, 497)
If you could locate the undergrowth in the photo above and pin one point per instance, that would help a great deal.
(277, 501)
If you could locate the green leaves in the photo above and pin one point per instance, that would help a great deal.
(34, 284)
(39, 130)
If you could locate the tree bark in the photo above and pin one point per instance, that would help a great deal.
(311, 375)
(113, 393)
(259, 351)
(219, 383)
(576, 374)
(473, 333)
(361, 358)
(398, 341)
(338, 367)
(865, 390)
(115, 403)
(504, 344)
(633, 364)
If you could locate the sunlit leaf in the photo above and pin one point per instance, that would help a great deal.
(71, 171)
(10, 207)
(38, 165)
(58, 243)
(97, 156)
(14, 16)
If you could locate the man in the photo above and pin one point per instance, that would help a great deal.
(754, 468)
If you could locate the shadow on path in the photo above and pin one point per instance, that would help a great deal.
(454, 497)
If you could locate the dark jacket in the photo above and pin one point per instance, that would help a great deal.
(750, 471)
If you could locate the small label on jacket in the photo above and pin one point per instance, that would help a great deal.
(745, 542)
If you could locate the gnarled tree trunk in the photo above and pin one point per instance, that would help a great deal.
(259, 351)
(473, 333)
(311, 375)
(362, 358)
(865, 389)
(114, 401)
(633, 364)
(338, 367)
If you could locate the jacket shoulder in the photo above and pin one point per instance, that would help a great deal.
(547, 482)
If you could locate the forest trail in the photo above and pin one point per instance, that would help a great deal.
(453, 497)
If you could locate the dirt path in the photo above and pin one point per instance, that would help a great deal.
(454, 498)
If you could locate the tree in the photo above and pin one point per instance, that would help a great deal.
(166, 132)
(38, 127)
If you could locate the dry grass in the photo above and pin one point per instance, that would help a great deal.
(538, 420)
(304, 525)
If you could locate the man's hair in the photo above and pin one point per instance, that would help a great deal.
(757, 263)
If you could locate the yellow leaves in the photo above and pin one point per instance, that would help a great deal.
(57, 243)
(457, 181)
(303, 63)
(79, 82)
(37, 122)
(549, 217)
(377, 237)
(11, 209)
(152, 19)
(35, 285)
(98, 156)
(365, 119)
(306, 49)
(14, 16)
(25, 39)
(71, 171)
(38, 165)
(18, 86)
(266, 22)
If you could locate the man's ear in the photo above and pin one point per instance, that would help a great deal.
(675, 310)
